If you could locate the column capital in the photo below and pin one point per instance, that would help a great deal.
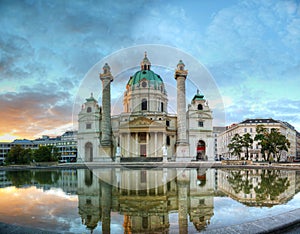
(180, 72)
(106, 75)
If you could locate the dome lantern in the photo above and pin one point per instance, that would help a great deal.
(145, 64)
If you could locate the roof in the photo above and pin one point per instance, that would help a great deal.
(91, 98)
(22, 141)
(198, 96)
(148, 75)
(261, 121)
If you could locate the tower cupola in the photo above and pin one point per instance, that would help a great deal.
(145, 64)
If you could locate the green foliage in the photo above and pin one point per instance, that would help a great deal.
(238, 142)
(46, 177)
(235, 145)
(22, 178)
(271, 185)
(272, 142)
(247, 143)
(240, 181)
(18, 155)
(45, 154)
(19, 178)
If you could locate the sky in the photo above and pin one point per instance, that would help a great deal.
(251, 49)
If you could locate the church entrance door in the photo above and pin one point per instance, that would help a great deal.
(143, 150)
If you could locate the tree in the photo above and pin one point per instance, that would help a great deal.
(43, 154)
(55, 153)
(247, 142)
(272, 142)
(238, 142)
(235, 145)
(18, 155)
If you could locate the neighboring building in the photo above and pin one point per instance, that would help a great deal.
(66, 145)
(6, 146)
(145, 128)
(216, 132)
(298, 145)
(249, 126)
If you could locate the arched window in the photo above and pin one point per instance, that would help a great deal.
(144, 104)
(89, 109)
(200, 107)
(88, 152)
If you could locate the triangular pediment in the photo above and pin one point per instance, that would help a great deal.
(140, 121)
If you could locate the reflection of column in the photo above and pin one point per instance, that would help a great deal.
(136, 182)
(106, 206)
(128, 183)
(155, 183)
(155, 143)
(182, 206)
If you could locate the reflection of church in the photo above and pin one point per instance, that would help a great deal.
(146, 198)
(145, 127)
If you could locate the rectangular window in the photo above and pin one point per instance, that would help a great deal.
(245, 129)
(168, 123)
(250, 129)
(88, 126)
(200, 124)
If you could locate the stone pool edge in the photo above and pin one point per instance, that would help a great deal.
(273, 224)
(195, 164)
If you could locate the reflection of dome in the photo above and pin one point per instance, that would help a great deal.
(147, 75)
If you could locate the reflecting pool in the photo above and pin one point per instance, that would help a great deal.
(119, 200)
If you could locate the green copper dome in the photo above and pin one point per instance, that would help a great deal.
(145, 74)
(148, 75)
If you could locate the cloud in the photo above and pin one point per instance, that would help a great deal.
(34, 110)
(248, 46)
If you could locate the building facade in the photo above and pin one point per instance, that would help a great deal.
(66, 145)
(249, 126)
(145, 129)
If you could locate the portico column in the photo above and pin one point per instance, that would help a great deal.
(136, 145)
(147, 144)
(155, 143)
(128, 144)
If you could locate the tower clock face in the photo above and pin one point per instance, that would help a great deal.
(144, 84)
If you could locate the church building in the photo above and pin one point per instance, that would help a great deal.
(145, 129)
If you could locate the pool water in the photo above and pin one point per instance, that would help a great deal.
(120, 200)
